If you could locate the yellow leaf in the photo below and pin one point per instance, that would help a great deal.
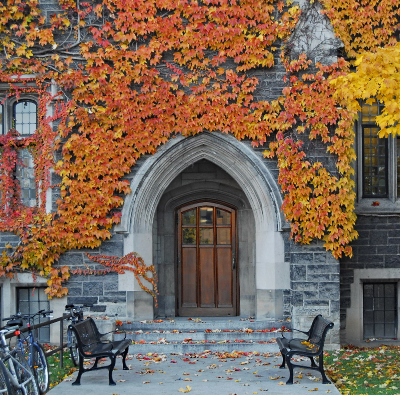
(188, 389)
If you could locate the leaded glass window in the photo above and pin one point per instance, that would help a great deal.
(374, 154)
(29, 301)
(380, 310)
(398, 165)
(25, 174)
(1, 119)
(25, 122)
(25, 117)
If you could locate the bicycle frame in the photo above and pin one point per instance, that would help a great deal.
(31, 350)
(12, 362)
(30, 341)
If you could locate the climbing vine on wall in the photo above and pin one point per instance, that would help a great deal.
(364, 25)
(131, 74)
(129, 263)
(370, 31)
(318, 201)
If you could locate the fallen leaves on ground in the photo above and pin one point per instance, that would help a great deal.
(361, 370)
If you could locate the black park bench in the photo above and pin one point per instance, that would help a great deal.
(91, 345)
(311, 347)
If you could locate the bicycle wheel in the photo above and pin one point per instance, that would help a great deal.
(40, 367)
(23, 374)
(5, 386)
(73, 347)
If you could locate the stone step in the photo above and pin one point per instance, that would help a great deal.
(199, 336)
(181, 348)
(184, 325)
(183, 335)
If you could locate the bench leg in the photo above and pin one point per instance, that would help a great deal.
(95, 363)
(313, 364)
(290, 366)
(283, 361)
(81, 371)
(124, 354)
(321, 369)
(110, 371)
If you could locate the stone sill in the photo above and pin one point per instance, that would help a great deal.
(374, 343)
(386, 207)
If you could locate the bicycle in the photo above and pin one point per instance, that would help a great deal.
(76, 316)
(16, 377)
(34, 350)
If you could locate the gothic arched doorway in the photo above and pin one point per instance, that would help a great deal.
(207, 268)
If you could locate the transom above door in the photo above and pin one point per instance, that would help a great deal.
(207, 269)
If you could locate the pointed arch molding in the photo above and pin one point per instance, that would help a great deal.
(235, 157)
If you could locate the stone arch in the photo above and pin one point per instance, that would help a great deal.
(235, 157)
(248, 169)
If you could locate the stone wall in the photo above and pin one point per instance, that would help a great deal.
(376, 252)
(8, 238)
(314, 274)
(315, 287)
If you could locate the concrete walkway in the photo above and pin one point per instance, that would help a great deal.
(204, 373)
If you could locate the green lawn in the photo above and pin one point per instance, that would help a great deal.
(58, 374)
(367, 371)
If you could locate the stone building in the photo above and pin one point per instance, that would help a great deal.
(206, 211)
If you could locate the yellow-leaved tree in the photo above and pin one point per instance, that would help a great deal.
(377, 78)
(369, 31)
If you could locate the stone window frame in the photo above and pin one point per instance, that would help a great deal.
(14, 116)
(354, 333)
(386, 204)
(8, 105)
(8, 300)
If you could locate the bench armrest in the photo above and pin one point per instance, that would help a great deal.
(115, 331)
(298, 330)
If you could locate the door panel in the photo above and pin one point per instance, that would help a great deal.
(224, 265)
(207, 286)
(189, 283)
(207, 273)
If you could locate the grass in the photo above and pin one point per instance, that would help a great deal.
(56, 373)
(368, 371)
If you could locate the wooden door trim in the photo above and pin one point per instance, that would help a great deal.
(234, 243)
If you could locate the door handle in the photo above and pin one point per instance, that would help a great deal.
(233, 263)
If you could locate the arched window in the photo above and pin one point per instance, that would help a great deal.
(24, 120)
(25, 117)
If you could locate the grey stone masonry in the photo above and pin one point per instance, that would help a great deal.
(101, 291)
(377, 247)
(314, 286)
(7, 238)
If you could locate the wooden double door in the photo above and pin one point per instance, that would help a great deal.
(207, 267)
